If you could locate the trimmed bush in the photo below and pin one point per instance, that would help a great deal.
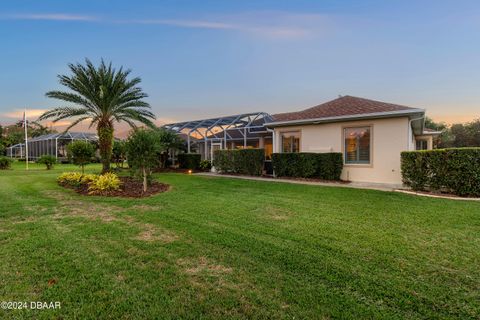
(103, 183)
(97, 184)
(5, 163)
(189, 160)
(455, 170)
(205, 165)
(243, 161)
(48, 160)
(327, 166)
(73, 179)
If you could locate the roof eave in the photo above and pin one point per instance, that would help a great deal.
(376, 115)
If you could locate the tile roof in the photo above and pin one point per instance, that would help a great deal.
(342, 106)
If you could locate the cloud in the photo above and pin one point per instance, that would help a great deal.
(275, 25)
(18, 114)
(51, 17)
(185, 23)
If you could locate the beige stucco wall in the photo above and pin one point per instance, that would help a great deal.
(389, 138)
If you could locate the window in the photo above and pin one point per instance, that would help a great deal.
(291, 141)
(422, 145)
(357, 145)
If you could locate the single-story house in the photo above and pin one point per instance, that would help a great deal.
(370, 134)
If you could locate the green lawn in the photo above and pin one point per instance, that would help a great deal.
(217, 247)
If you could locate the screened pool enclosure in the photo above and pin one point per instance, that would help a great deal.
(245, 130)
(54, 144)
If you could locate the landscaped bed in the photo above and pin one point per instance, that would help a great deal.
(229, 248)
(129, 187)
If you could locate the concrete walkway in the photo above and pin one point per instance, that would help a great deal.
(357, 185)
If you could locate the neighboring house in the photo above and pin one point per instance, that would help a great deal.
(370, 134)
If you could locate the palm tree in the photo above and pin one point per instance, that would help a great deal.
(102, 95)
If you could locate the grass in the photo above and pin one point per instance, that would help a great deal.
(217, 247)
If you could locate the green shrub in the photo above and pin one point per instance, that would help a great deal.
(189, 160)
(81, 153)
(5, 163)
(455, 170)
(104, 183)
(243, 161)
(73, 179)
(327, 166)
(205, 165)
(47, 160)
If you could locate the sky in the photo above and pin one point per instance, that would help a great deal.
(206, 58)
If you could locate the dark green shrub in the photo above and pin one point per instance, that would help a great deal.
(243, 161)
(189, 160)
(5, 163)
(205, 165)
(81, 153)
(455, 170)
(327, 166)
(48, 160)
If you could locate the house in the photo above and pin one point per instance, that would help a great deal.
(370, 134)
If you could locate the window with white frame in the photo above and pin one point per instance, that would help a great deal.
(357, 145)
(421, 144)
(290, 141)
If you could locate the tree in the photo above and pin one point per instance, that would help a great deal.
(170, 142)
(143, 147)
(119, 153)
(102, 95)
(474, 132)
(81, 153)
(461, 137)
(47, 160)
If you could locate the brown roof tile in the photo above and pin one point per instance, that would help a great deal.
(342, 106)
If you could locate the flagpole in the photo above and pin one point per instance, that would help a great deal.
(26, 136)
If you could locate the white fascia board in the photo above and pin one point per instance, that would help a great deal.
(388, 114)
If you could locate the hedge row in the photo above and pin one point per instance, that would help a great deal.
(244, 161)
(455, 170)
(189, 160)
(327, 166)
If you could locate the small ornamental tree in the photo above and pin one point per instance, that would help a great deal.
(47, 160)
(81, 153)
(142, 148)
(119, 153)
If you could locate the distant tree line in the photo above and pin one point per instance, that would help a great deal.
(15, 133)
(456, 135)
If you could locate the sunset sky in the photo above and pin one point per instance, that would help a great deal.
(209, 58)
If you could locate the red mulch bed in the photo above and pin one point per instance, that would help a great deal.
(130, 188)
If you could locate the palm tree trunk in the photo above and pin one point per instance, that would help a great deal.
(105, 144)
